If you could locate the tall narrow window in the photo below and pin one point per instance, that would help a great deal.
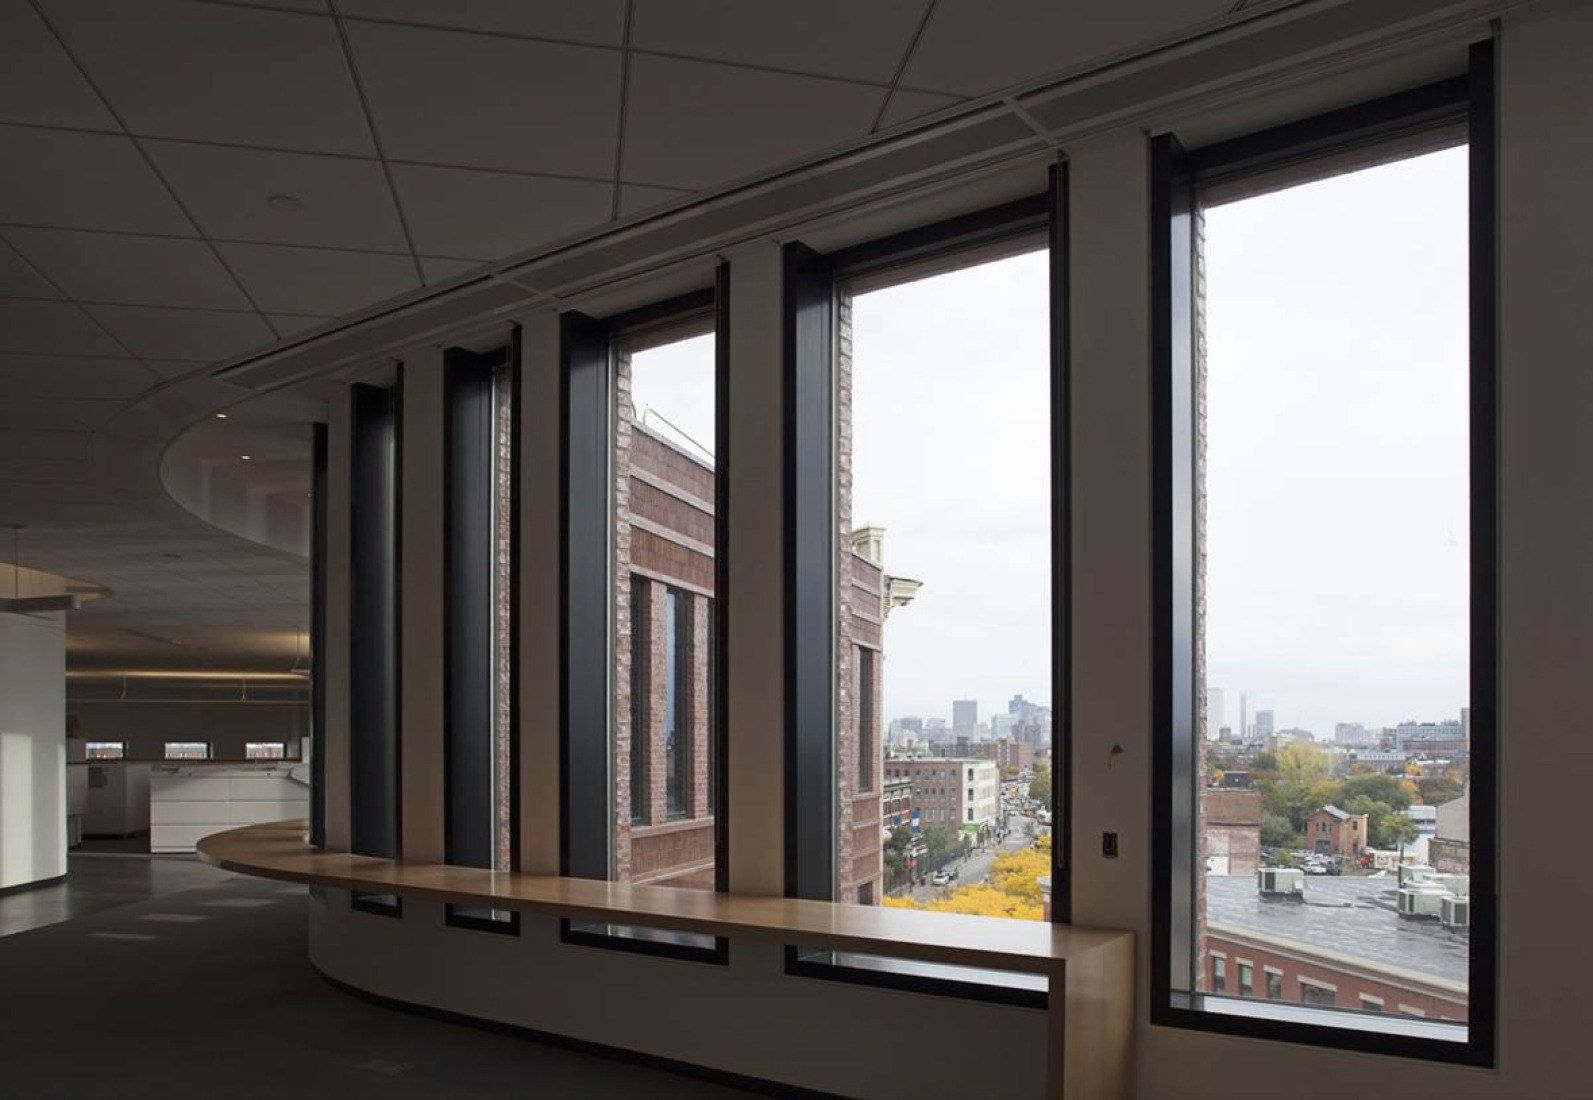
(921, 573)
(1330, 476)
(644, 519)
(479, 616)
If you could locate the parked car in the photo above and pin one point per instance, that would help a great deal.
(939, 878)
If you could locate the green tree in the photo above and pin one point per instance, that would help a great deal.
(1379, 788)
(941, 843)
(1438, 789)
(896, 858)
(1300, 786)
(1040, 784)
(1009, 772)
(1264, 763)
(1276, 831)
(1386, 827)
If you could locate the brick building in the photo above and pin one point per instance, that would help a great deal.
(1332, 831)
(1232, 823)
(1007, 753)
(956, 793)
(663, 667)
(1344, 946)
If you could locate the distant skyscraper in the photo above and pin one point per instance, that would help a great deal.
(1216, 713)
(1244, 716)
(1264, 725)
(965, 716)
(1351, 733)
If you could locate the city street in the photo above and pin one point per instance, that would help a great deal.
(974, 868)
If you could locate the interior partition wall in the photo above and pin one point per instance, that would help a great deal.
(373, 626)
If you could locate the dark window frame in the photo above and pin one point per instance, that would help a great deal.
(471, 395)
(1469, 100)
(810, 281)
(586, 402)
(318, 563)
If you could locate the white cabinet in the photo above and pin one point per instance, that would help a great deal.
(191, 800)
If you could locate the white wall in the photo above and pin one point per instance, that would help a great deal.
(32, 748)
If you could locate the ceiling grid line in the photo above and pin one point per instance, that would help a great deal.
(153, 167)
(75, 303)
(624, 101)
(376, 138)
(901, 68)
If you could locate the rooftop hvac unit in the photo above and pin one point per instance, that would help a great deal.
(1281, 882)
(1455, 912)
(1421, 901)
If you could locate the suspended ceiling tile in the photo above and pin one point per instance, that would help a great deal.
(39, 83)
(440, 270)
(85, 181)
(841, 38)
(320, 281)
(972, 47)
(18, 448)
(114, 267)
(175, 368)
(75, 376)
(635, 197)
(56, 414)
(485, 215)
(183, 333)
(337, 202)
(694, 124)
(906, 106)
(19, 280)
(218, 72)
(291, 324)
(443, 97)
(600, 22)
(57, 328)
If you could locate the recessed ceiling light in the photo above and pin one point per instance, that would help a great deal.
(288, 204)
(221, 416)
(247, 458)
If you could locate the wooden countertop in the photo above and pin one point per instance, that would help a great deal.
(281, 850)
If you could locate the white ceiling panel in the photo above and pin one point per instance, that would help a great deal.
(52, 328)
(113, 267)
(448, 98)
(291, 324)
(82, 181)
(485, 215)
(338, 202)
(841, 38)
(183, 333)
(438, 269)
(694, 124)
(74, 376)
(38, 81)
(218, 72)
(320, 281)
(972, 47)
(600, 22)
(19, 280)
(635, 197)
(906, 106)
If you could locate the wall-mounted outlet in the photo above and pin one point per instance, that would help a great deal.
(1109, 845)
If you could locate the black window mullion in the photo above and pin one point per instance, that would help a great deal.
(810, 542)
(318, 739)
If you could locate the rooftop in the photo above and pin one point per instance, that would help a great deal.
(1355, 917)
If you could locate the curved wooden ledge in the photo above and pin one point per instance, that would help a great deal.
(1090, 970)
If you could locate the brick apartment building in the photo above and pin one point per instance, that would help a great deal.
(663, 663)
(958, 794)
(1332, 831)
(1232, 823)
(1007, 753)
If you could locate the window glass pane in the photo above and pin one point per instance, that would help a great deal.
(1334, 569)
(105, 750)
(943, 732)
(187, 750)
(265, 750)
(502, 566)
(664, 587)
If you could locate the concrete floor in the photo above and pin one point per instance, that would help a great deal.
(164, 978)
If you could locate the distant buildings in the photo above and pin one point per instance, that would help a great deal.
(958, 794)
(1264, 724)
(1453, 732)
(1449, 850)
(1007, 753)
(1331, 831)
(1352, 733)
(1232, 830)
(965, 716)
(1216, 713)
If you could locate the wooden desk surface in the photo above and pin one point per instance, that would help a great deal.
(281, 850)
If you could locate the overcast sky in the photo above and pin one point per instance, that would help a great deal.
(1337, 462)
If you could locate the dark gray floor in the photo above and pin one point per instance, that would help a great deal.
(95, 882)
(208, 992)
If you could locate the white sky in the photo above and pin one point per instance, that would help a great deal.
(1336, 463)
